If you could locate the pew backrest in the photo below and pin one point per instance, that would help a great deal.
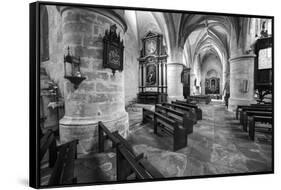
(240, 107)
(125, 155)
(180, 117)
(191, 111)
(147, 115)
(171, 127)
(185, 104)
(103, 134)
(48, 142)
(63, 172)
(198, 110)
(252, 123)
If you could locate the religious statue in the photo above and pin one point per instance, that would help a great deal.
(151, 75)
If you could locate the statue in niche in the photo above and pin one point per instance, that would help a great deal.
(151, 75)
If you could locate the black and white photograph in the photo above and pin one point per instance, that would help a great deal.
(123, 94)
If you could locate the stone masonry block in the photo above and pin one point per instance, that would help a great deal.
(76, 28)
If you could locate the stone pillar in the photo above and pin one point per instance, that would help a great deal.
(101, 96)
(241, 81)
(192, 87)
(175, 87)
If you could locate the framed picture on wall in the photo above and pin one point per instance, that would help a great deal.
(127, 94)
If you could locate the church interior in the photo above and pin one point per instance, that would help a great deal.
(140, 95)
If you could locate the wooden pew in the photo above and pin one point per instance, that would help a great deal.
(253, 113)
(190, 111)
(48, 142)
(243, 109)
(252, 123)
(143, 163)
(104, 134)
(182, 118)
(127, 161)
(171, 127)
(183, 103)
(239, 107)
(199, 98)
(147, 115)
(63, 171)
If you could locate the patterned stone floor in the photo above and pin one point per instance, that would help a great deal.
(217, 146)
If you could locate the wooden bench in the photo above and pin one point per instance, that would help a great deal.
(252, 123)
(63, 171)
(239, 107)
(147, 168)
(147, 115)
(183, 103)
(182, 118)
(253, 113)
(127, 161)
(190, 111)
(104, 134)
(138, 165)
(48, 143)
(171, 127)
(199, 98)
(243, 109)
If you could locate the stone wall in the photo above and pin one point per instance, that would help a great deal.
(211, 63)
(175, 87)
(54, 66)
(131, 64)
(241, 81)
(101, 96)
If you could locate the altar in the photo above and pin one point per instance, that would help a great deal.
(152, 70)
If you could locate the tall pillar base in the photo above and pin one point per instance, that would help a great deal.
(175, 87)
(241, 81)
(86, 131)
(233, 102)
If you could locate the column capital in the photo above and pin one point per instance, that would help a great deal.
(111, 14)
(241, 57)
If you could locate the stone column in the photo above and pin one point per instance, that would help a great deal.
(175, 87)
(241, 80)
(101, 96)
(192, 87)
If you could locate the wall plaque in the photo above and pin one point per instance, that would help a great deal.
(113, 50)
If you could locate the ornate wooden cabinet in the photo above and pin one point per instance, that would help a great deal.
(263, 67)
(152, 70)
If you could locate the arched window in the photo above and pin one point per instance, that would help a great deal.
(44, 34)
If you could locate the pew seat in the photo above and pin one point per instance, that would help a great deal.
(252, 123)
